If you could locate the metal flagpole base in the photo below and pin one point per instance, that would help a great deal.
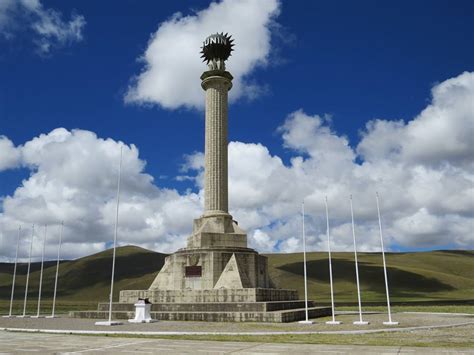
(306, 322)
(390, 323)
(335, 322)
(113, 322)
(358, 322)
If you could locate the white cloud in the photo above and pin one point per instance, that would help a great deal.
(9, 156)
(427, 190)
(441, 134)
(172, 63)
(46, 24)
(73, 179)
(426, 200)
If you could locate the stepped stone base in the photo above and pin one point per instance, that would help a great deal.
(211, 295)
(214, 307)
(215, 278)
(275, 312)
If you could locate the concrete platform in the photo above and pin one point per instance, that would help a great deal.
(278, 316)
(209, 295)
(215, 307)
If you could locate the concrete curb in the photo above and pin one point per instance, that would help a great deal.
(442, 313)
(154, 333)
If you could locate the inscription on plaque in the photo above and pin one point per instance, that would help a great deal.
(193, 271)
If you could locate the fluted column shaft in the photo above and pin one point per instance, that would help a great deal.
(216, 83)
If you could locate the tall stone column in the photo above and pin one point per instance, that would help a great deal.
(216, 83)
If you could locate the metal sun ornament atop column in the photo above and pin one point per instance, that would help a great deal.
(216, 49)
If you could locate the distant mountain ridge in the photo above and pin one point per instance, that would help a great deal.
(421, 276)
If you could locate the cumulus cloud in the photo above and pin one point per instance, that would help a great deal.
(47, 26)
(442, 133)
(74, 179)
(426, 199)
(9, 156)
(172, 64)
(423, 170)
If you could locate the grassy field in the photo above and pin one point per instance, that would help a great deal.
(431, 278)
(85, 280)
(437, 276)
(432, 338)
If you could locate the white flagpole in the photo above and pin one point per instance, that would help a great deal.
(306, 321)
(28, 272)
(360, 321)
(109, 322)
(57, 271)
(390, 322)
(333, 321)
(14, 273)
(41, 274)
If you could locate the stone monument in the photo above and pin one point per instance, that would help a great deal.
(216, 277)
(216, 256)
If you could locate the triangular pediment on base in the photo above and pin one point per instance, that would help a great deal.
(233, 276)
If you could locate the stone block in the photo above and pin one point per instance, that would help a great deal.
(212, 295)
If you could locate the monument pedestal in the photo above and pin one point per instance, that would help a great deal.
(217, 278)
(216, 257)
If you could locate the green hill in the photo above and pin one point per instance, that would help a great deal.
(424, 276)
(87, 278)
(421, 276)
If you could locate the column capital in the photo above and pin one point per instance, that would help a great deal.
(216, 76)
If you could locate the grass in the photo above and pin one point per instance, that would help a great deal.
(466, 308)
(440, 278)
(445, 338)
(86, 279)
(62, 306)
(449, 337)
(438, 281)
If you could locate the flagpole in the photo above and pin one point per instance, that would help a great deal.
(333, 321)
(360, 321)
(14, 273)
(57, 271)
(41, 274)
(390, 322)
(110, 322)
(28, 272)
(306, 321)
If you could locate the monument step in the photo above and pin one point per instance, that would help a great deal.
(280, 316)
(242, 295)
(214, 307)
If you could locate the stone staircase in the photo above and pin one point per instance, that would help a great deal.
(271, 311)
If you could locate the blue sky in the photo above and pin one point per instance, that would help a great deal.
(352, 61)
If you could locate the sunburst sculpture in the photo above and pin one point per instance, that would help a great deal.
(216, 49)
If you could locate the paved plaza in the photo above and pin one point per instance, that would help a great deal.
(407, 321)
(75, 344)
(22, 335)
